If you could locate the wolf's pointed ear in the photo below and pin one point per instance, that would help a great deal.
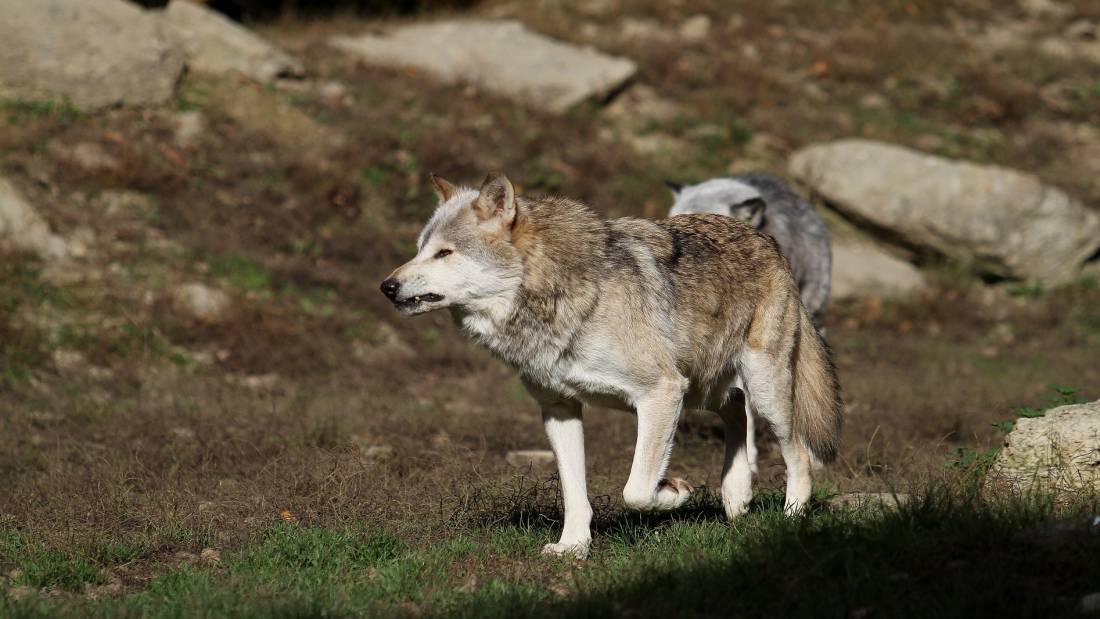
(674, 187)
(497, 199)
(751, 211)
(443, 188)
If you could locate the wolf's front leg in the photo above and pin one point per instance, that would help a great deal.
(658, 415)
(562, 420)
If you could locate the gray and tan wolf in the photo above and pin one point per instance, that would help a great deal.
(769, 205)
(647, 316)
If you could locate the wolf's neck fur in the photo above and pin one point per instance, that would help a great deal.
(563, 245)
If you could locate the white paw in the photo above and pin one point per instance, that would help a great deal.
(577, 550)
(672, 493)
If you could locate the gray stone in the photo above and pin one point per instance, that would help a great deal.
(695, 28)
(864, 270)
(87, 155)
(23, 229)
(199, 301)
(188, 126)
(1058, 452)
(96, 53)
(216, 44)
(997, 220)
(530, 458)
(501, 56)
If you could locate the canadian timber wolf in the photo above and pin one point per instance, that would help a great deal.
(769, 205)
(629, 313)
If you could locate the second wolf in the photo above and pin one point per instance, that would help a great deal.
(769, 205)
(647, 316)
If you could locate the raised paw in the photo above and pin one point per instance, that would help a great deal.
(578, 550)
(672, 493)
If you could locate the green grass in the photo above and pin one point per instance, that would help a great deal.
(945, 554)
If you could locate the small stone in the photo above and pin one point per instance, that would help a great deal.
(66, 360)
(695, 28)
(189, 127)
(91, 157)
(186, 434)
(873, 101)
(1083, 29)
(736, 22)
(530, 458)
(1090, 603)
(334, 94)
(200, 301)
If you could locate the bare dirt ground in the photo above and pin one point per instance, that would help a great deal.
(126, 421)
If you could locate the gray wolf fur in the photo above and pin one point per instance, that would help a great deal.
(770, 206)
(635, 314)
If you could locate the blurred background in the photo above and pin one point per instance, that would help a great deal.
(198, 201)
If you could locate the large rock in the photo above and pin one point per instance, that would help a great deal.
(997, 220)
(1058, 452)
(215, 44)
(500, 56)
(96, 53)
(23, 229)
(863, 270)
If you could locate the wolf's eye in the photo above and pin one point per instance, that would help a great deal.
(443, 253)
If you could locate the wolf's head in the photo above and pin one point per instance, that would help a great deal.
(465, 258)
(720, 196)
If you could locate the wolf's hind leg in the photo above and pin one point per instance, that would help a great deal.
(562, 419)
(737, 469)
(768, 392)
(658, 415)
(750, 431)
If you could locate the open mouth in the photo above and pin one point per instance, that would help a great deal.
(419, 299)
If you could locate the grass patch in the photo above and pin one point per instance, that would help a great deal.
(947, 553)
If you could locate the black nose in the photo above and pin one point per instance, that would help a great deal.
(390, 288)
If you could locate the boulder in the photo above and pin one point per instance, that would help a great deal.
(23, 229)
(95, 53)
(863, 270)
(215, 44)
(501, 56)
(998, 221)
(1058, 452)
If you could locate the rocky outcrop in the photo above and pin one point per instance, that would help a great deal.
(501, 56)
(1058, 452)
(864, 270)
(998, 221)
(216, 44)
(95, 53)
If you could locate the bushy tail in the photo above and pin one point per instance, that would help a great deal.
(818, 407)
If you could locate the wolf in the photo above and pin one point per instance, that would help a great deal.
(646, 316)
(769, 205)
